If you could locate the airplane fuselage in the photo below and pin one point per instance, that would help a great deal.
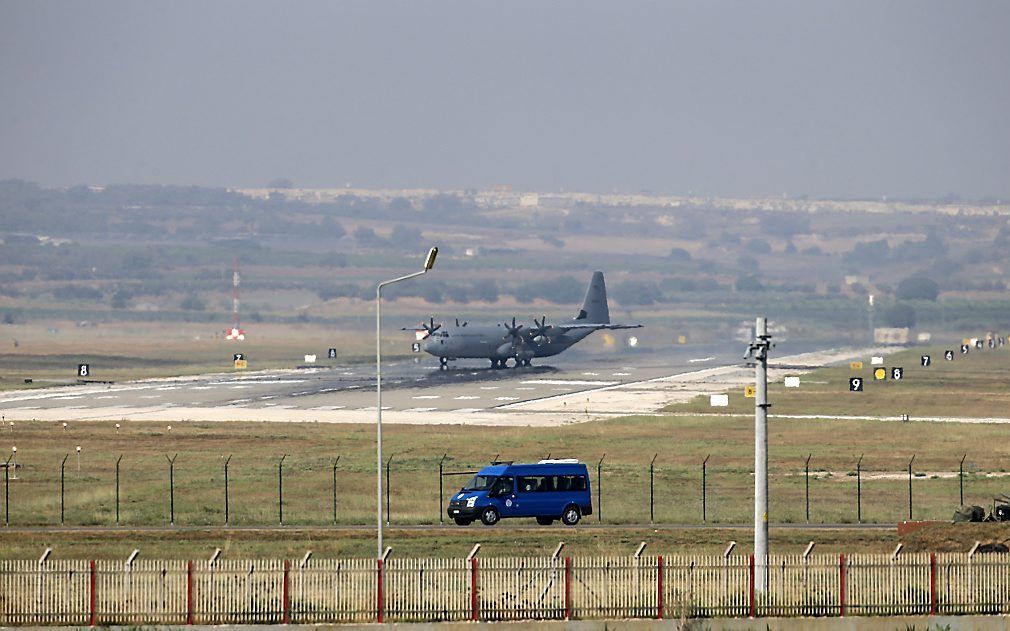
(494, 343)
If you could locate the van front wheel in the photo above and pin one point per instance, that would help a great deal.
(489, 516)
(571, 515)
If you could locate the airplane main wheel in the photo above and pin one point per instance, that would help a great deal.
(443, 362)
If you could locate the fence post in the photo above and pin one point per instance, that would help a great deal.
(171, 489)
(280, 490)
(659, 588)
(93, 614)
(118, 460)
(599, 488)
(841, 585)
(227, 515)
(473, 587)
(7, 492)
(287, 592)
(806, 478)
(932, 584)
(859, 489)
(652, 496)
(379, 595)
(704, 488)
(568, 587)
(910, 487)
(441, 502)
(960, 478)
(189, 592)
(387, 488)
(63, 466)
(335, 490)
(750, 574)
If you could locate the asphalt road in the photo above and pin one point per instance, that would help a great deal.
(408, 386)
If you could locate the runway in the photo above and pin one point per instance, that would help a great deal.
(568, 388)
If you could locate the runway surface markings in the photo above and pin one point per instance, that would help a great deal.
(526, 388)
(565, 382)
(420, 409)
(427, 396)
(149, 396)
(328, 407)
(469, 410)
(66, 398)
(168, 388)
(109, 396)
(506, 398)
(465, 397)
(621, 374)
(372, 408)
(703, 359)
(490, 387)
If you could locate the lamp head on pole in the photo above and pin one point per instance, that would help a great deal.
(429, 262)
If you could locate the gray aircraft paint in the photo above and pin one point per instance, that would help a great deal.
(495, 343)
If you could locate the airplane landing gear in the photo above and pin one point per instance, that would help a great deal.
(443, 363)
(497, 363)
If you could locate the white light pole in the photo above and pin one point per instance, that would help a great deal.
(429, 262)
(78, 459)
(14, 462)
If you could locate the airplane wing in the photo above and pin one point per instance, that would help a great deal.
(597, 327)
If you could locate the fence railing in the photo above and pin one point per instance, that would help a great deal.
(495, 589)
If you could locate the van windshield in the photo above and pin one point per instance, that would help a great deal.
(480, 483)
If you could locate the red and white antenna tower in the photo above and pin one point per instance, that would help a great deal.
(236, 332)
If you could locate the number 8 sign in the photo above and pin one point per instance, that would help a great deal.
(83, 370)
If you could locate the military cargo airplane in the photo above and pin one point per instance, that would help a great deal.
(503, 342)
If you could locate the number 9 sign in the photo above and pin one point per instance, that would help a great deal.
(855, 384)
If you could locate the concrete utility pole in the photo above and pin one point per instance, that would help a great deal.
(758, 351)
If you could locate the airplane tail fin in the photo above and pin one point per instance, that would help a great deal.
(594, 307)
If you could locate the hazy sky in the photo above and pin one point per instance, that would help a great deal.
(848, 98)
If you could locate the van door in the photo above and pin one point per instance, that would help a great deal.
(505, 499)
(535, 493)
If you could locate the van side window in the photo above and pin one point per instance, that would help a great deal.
(535, 484)
(571, 483)
(504, 486)
(551, 483)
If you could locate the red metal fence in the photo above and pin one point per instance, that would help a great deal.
(494, 589)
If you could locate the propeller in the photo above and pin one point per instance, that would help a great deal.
(458, 324)
(430, 327)
(540, 332)
(513, 331)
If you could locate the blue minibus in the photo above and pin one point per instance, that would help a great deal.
(547, 490)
